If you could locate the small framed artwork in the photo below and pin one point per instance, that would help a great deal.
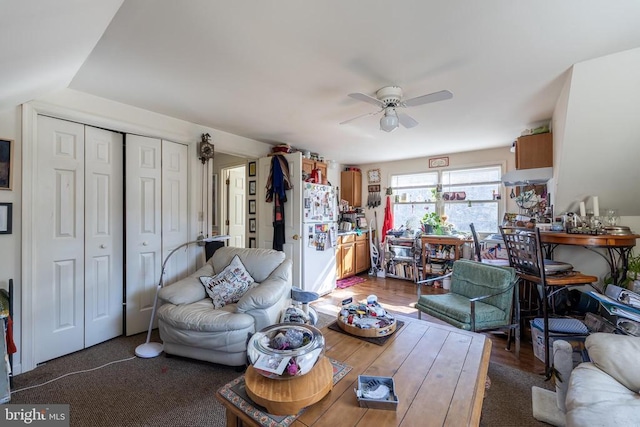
(252, 242)
(5, 217)
(252, 207)
(252, 188)
(252, 168)
(6, 163)
(438, 162)
(252, 225)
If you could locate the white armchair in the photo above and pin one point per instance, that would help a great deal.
(189, 324)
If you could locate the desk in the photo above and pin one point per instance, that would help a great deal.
(616, 248)
(439, 372)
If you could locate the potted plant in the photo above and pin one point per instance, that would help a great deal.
(431, 223)
(633, 272)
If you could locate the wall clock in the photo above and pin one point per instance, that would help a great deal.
(373, 175)
(206, 149)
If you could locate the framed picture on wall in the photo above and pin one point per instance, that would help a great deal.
(438, 162)
(252, 188)
(252, 207)
(252, 225)
(5, 217)
(6, 163)
(252, 168)
(252, 242)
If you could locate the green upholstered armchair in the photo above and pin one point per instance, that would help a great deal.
(482, 297)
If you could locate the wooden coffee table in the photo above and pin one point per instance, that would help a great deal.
(439, 372)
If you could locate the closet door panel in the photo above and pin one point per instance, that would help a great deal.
(103, 235)
(144, 228)
(58, 290)
(174, 210)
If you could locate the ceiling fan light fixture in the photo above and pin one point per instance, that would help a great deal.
(389, 121)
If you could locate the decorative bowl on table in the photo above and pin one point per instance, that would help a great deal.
(285, 350)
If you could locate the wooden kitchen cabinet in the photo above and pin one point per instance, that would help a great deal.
(351, 184)
(308, 165)
(352, 255)
(362, 253)
(346, 256)
(534, 151)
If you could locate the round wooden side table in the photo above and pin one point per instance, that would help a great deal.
(288, 397)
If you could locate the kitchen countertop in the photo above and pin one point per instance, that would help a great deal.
(346, 233)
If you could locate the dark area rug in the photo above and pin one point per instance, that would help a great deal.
(373, 340)
(507, 402)
(173, 391)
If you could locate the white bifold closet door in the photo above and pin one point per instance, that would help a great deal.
(78, 288)
(157, 223)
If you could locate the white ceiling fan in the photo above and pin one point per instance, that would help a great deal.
(389, 99)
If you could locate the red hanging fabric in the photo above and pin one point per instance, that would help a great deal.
(388, 219)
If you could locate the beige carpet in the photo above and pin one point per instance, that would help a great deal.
(171, 391)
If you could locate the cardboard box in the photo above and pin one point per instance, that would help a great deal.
(391, 403)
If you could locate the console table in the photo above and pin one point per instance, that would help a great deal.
(616, 248)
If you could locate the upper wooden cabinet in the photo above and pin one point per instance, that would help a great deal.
(534, 151)
(351, 183)
(308, 165)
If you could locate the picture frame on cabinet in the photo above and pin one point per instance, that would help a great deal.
(252, 168)
(6, 163)
(252, 207)
(6, 212)
(252, 242)
(252, 188)
(252, 225)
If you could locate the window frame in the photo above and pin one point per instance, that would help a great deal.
(439, 202)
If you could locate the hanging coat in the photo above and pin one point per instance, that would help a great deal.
(388, 219)
(277, 183)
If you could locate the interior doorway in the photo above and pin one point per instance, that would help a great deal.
(233, 203)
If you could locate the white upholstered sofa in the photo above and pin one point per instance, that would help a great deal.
(602, 392)
(189, 324)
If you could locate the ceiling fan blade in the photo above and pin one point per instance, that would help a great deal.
(366, 98)
(360, 116)
(425, 99)
(406, 120)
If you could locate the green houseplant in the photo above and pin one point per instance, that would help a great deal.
(431, 223)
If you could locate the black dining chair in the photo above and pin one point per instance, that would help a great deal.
(524, 249)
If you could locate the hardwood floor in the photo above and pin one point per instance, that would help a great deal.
(399, 296)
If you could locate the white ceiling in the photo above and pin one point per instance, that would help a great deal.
(280, 71)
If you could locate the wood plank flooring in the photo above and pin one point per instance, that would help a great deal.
(399, 296)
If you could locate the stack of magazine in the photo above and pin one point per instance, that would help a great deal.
(624, 304)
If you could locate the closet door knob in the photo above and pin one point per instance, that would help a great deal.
(145, 243)
(103, 246)
(295, 237)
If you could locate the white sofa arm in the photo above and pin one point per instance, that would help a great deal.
(265, 295)
(187, 290)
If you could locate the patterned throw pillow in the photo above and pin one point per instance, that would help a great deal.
(229, 285)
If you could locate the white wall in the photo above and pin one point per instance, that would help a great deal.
(600, 145)
(77, 106)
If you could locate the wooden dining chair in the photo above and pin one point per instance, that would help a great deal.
(524, 249)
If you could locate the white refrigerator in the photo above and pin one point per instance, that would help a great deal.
(319, 235)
